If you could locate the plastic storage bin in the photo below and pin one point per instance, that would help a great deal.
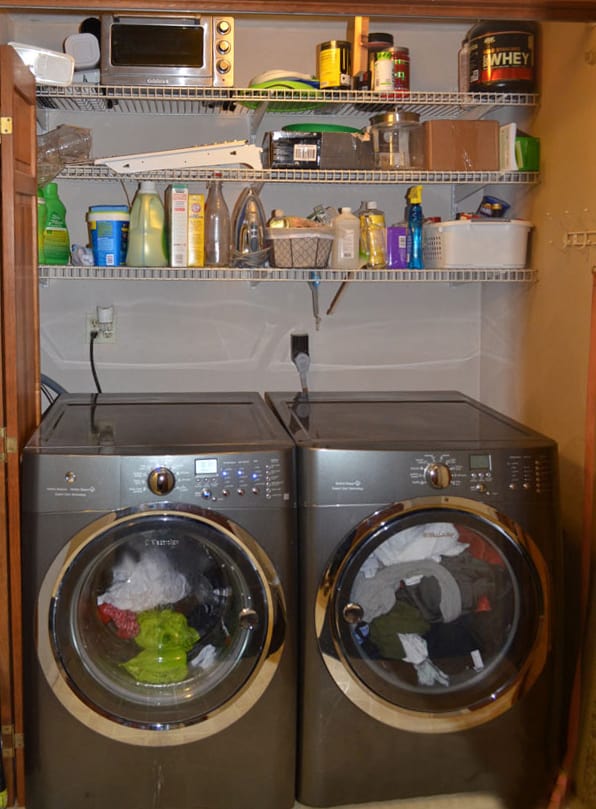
(300, 247)
(478, 243)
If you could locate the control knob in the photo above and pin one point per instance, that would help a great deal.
(437, 475)
(161, 480)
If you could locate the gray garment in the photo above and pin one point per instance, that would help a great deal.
(377, 596)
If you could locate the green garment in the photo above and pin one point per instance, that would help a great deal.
(386, 629)
(165, 638)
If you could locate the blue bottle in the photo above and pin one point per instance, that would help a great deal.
(414, 235)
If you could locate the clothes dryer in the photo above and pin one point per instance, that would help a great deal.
(159, 606)
(431, 597)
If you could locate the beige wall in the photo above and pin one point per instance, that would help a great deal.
(553, 368)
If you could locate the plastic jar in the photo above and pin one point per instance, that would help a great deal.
(108, 234)
(397, 140)
(502, 57)
(335, 65)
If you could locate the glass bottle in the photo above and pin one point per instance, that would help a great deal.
(218, 229)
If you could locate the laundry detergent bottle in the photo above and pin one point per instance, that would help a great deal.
(56, 240)
(147, 229)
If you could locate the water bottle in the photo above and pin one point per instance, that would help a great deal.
(147, 231)
(346, 241)
(218, 229)
(375, 236)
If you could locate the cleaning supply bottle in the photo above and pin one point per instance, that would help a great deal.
(56, 240)
(147, 230)
(218, 228)
(41, 225)
(346, 241)
(374, 224)
(414, 235)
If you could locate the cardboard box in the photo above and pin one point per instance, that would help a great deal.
(196, 230)
(456, 145)
(177, 223)
(317, 150)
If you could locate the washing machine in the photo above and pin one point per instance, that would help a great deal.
(430, 599)
(159, 567)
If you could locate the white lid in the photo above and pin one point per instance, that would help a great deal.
(371, 204)
(84, 48)
(147, 187)
(345, 210)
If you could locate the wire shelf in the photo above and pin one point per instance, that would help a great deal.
(462, 275)
(240, 101)
(93, 172)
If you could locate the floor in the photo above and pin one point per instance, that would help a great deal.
(480, 801)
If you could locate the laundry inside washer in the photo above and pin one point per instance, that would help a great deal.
(159, 570)
(431, 558)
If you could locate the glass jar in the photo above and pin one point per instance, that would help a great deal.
(397, 140)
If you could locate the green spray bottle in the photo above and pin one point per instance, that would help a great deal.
(56, 241)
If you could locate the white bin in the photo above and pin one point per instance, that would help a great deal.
(490, 243)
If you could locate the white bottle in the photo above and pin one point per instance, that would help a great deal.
(346, 241)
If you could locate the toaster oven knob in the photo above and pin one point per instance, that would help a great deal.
(223, 66)
(224, 46)
(438, 475)
(223, 27)
(161, 480)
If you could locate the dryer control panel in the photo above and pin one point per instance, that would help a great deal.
(487, 472)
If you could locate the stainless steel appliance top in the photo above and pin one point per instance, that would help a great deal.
(397, 420)
(166, 423)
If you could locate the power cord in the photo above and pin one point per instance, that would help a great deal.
(92, 337)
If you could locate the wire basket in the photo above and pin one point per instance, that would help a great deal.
(300, 247)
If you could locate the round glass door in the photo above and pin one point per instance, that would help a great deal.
(160, 625)
(433, 615)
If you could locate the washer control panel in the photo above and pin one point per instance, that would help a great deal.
(229, 478)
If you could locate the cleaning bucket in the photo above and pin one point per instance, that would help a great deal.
(108, 233)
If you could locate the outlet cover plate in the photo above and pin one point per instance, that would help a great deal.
(102, 336)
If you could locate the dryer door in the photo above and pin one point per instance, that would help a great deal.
(433, 615)
(160, 625)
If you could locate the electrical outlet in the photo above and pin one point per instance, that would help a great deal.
(104, 335)
(298, 345)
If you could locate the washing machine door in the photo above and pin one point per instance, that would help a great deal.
(433, 616)
(160, 625)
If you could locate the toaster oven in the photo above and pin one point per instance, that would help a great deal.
(162, 49)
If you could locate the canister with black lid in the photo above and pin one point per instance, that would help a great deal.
(335, 65)
(502, 57)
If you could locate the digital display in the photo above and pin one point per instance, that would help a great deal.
(479, 462)
(205, 466)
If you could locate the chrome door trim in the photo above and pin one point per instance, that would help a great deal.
(404, 718)
(206, 725)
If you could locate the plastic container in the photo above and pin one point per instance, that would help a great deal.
(56, 239)
(345, 254)
(218, 227)
(372, 224)
(397, 140)
(301, 247)
(108, 233)
(334, 59)
(481, 243)
(396, 246)
(147, 232)
(502, 57)
(414, 233)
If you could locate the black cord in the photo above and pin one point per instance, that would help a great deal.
(92, 337)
